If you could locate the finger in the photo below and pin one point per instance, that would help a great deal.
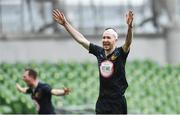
(60, 13)
(58, 16)
(131, 13)
(131, 21)
(130, 16)
(55, 16)
(55, 12)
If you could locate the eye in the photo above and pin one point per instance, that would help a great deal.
(108, 37)
(104, 37)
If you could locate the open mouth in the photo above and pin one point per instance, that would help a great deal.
(106, 44)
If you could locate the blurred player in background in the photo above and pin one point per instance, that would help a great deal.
(40, 92)
(111, 63)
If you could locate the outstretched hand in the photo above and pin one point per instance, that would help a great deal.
(18, 87)
(66, 91)
(129, 18)
(59, 17)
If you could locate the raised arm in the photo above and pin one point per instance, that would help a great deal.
(21, 89)
(129, 21)
(60, 92)
(60, 18)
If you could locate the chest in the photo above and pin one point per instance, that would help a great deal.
(110, 65)
(37, 95)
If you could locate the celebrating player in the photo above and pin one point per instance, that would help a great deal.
(40, 92)
(111, 63)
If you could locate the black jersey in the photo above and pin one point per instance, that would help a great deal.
(113, 82)
(42, 95)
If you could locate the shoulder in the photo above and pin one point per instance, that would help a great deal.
(95, 49)
(95, 46)
(43, 85)
(122, 50)
(45, 88)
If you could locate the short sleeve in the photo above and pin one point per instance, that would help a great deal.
(94, 49)
(46, 89)
(124, 54)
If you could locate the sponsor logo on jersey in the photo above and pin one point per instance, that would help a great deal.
(106, 68)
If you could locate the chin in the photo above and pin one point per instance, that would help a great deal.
(107, 49)
(29, 85)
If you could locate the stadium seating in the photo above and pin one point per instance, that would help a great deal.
(152, 88)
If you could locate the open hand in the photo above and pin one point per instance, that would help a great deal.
(59, 17)
(18, 87)
(66, 91)
(129, 18)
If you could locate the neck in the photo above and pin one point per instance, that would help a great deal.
(35, 84)
(110, 51)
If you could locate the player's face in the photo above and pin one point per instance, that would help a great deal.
(27, 79)
(108, 41)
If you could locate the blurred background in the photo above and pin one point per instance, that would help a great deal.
(30, 38)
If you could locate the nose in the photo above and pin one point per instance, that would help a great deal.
(105, 39)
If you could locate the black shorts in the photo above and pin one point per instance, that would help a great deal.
(111, 106)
